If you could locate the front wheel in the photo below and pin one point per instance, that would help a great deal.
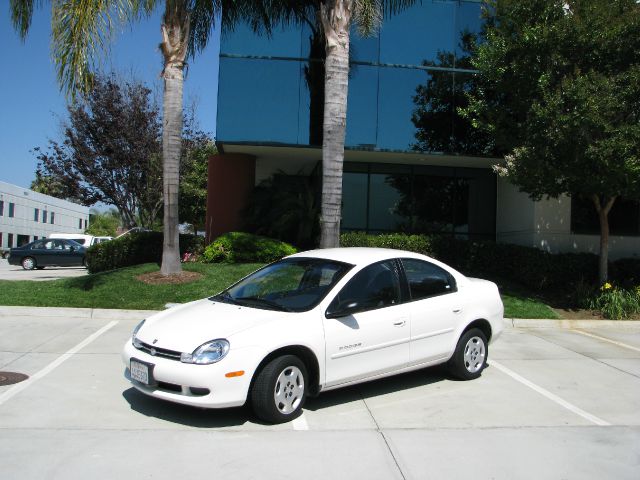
(470, 356)
(279, 390)
(28, 263)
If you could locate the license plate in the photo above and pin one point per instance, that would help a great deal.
(141, 372)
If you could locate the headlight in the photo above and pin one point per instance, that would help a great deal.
(208, 353)
(134, 339)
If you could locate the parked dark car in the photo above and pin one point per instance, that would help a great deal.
(48, 252)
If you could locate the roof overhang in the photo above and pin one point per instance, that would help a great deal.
(290, 153)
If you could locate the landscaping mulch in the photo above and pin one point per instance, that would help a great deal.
(156, 278)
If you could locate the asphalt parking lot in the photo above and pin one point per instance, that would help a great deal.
(16, 272)
(554, 403)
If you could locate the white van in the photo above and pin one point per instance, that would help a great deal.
(85, 240)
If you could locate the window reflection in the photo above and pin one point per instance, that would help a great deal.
(281, 100)
(419, 199)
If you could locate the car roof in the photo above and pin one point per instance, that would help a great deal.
(358, 255)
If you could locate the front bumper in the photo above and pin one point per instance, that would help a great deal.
(198, 385)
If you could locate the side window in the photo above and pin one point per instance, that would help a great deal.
(376, 286)
(39, 245)
(426, 279)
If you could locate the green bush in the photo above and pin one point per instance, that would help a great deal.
(528, 266)
(134, 249)
(239, 247)
(616, 303)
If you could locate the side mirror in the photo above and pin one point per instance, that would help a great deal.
(343, 309)
(72, 248)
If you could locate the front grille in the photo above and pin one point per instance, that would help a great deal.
(159, 352)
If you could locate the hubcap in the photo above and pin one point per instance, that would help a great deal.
(28, 263)
(289, 390)
(474, 354)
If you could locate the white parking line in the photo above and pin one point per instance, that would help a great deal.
(300, 423)
(13, 391)
(620, 344)
(549, 395)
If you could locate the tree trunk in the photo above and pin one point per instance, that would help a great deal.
(603, 217)
(336, 20)
(175, 32)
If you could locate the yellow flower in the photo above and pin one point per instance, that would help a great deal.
(606, 286)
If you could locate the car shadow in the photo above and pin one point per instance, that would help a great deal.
(234, 417)
(376, 388)
(185, 414)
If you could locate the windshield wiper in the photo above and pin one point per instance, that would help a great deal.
(264, 302)
(225, 296)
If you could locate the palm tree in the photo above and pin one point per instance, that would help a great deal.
(335, 18)
(81, 31)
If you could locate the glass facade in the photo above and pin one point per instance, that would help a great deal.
(269, 88)
(380, 198)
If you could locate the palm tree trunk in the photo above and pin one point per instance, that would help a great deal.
(603, 217)
(336, 20)
(175, 32)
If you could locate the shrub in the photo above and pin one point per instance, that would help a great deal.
(616, 303)
(239, 247)
(134, 249)
(528, 266)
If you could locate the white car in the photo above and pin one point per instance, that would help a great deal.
(313, 322)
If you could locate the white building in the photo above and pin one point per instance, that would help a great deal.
(26, 215)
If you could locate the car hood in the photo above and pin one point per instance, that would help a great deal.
(186, 327)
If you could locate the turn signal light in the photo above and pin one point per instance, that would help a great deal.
(239, 373)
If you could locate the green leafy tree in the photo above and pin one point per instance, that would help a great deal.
(110, 151)
(559, 91)
(103, 224)
(81, 31)
(193, 180)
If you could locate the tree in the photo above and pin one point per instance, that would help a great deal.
(111, 151)
(335, 19)
(559, 90)
(440, 127)
(103, 224)
(81, 31)
(193, 179)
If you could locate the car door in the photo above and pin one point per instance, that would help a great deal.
(435, 310)
(367, 326)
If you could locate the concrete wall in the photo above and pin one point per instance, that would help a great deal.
(67, 215)
(231, 177)
(547, 225)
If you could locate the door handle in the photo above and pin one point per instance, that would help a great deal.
(399, 324)
(457, 310)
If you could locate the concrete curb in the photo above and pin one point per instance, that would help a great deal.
(544, 323)
(117, 314)
(86, 313)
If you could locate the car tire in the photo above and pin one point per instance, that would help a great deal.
(28, 263)
(280, 389)
(470, 356)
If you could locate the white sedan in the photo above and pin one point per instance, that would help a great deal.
(313, 322)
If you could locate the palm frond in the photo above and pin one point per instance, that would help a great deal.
(21, 15)
(82, 32)
(368, 16)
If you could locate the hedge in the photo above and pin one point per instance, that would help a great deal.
(534, 268)
(239, 247)
(134, 249)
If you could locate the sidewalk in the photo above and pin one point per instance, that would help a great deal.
(111, 314)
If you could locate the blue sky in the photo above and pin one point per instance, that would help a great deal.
(32, 106)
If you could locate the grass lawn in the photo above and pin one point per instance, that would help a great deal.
(121, 289)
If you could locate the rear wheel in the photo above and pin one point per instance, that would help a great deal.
(28, 263)
(470, 357)
(279, 390)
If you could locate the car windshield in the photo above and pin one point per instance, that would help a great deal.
(290, 285)
(75, 244)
